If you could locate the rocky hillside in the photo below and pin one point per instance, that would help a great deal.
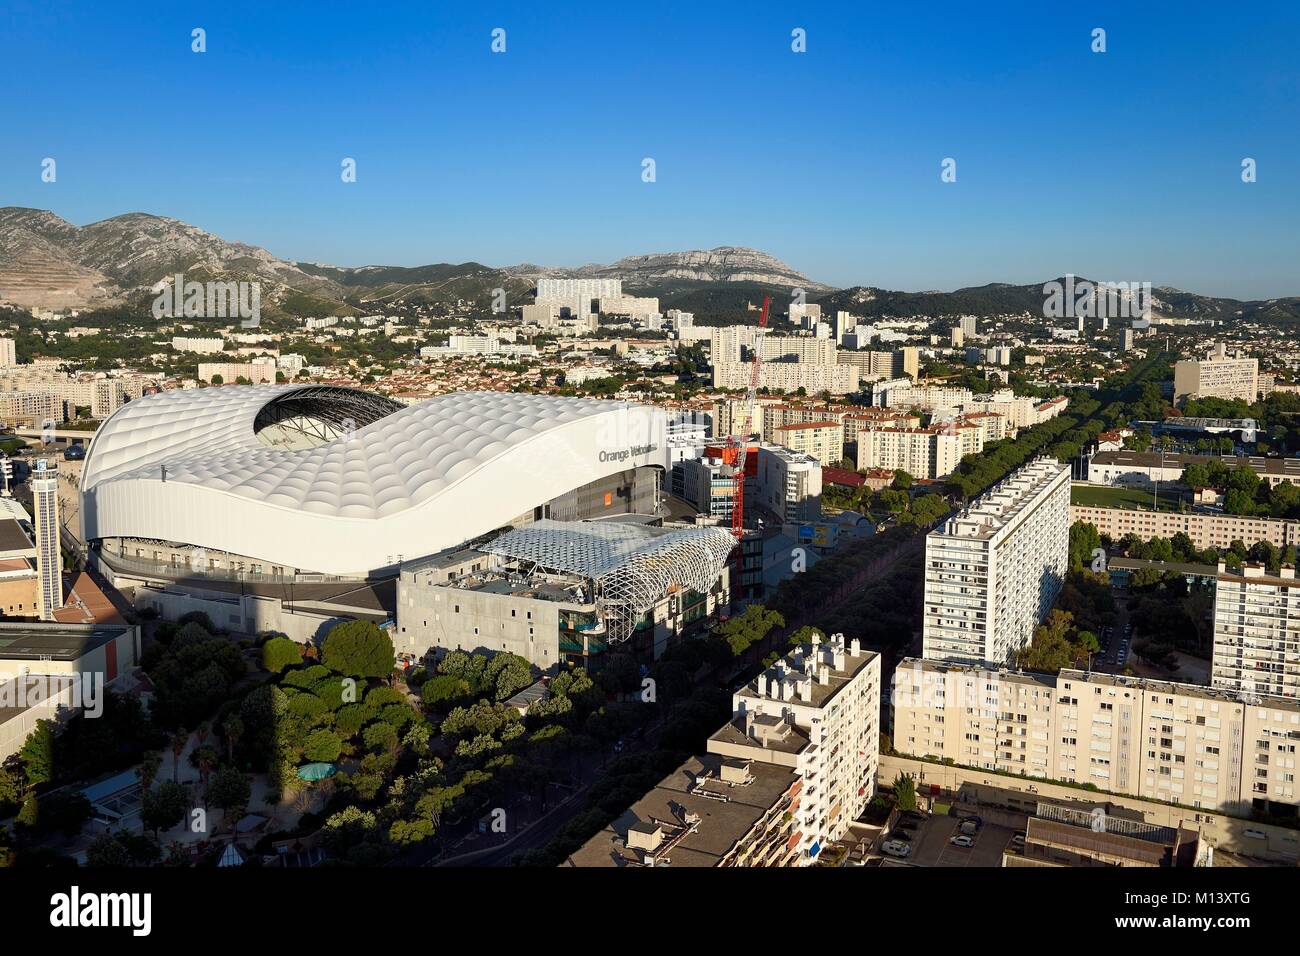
(659, 270)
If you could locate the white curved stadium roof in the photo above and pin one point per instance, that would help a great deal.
(389, 482)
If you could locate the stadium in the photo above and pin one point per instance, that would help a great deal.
(283, 507)
(293, 480)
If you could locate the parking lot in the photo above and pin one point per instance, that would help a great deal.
(931, 847)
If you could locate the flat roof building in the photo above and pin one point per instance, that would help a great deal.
(993, 570)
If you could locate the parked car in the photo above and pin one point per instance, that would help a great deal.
(963, 841)
(895, 848)
(1018, 840)
(970, 827)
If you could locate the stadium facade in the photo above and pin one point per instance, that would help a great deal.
(341, 482)
(288, 507)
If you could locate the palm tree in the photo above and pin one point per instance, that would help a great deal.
(205, 758)
(148, 772)
(179, 740)
(234, 728)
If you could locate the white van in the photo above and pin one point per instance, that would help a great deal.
(895, 848)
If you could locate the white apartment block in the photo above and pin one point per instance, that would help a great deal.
(904, 393)
(291, 364)
(208, 345)
(732, 417)
(817, 712)
(1218, 375)
(1257, 631)
(585, 289)
(44, 485)
(789, 484)
(639, 308)
(805, 313)
(884, 365)
(813, 378)
(796, 348)
(1188, 744)
(1206, 529)
(256, 371)
(993, 571)
(8, 353)
(823, 440)
(921, 452)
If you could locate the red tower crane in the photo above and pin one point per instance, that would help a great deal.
(740, 450)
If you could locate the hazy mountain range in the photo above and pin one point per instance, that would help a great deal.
(46, 261)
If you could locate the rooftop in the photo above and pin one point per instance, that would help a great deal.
(694, 817)
(56, 641)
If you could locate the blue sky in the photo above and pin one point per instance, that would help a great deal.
(1122, 166)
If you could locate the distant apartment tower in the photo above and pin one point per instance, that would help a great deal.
(884, 365)
(206, 345)
(812, 377)
(1218, 375)
(1128, 340)
(805, 314)
(8, 353)
(257, 371)
(1257, 631)
(45, 522)
(583, 292)
(823, 441)
(921, 452)
(993, 571)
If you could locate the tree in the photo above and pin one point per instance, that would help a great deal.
(905, 792)
(902, 480)
(323, 746)
(178, 742)
(230, 793)
(279, 653)
(359, 649)
(37, 754)
(164, 807)
(443, 688)
(107, 851)
(234, 729)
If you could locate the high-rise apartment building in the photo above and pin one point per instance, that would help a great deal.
(1257, 631)
(45, 522)
(816, 711)
(993, 571)
(780, 782)
(1218, 375)
(8, 353)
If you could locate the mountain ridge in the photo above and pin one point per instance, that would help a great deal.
(48, 262)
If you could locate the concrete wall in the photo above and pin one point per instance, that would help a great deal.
(457, 618)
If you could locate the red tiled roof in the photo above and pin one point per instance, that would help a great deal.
(842, 476)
